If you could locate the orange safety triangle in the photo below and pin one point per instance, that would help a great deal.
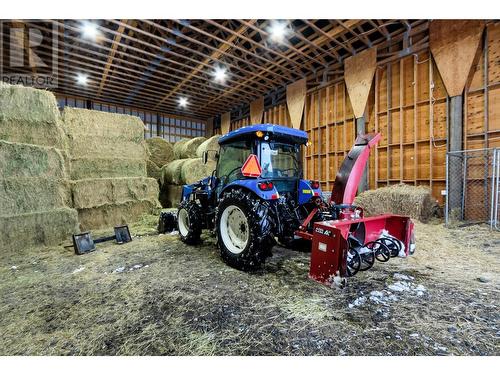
(251, 168)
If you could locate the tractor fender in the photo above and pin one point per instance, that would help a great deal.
(252, 185)
(306, 192)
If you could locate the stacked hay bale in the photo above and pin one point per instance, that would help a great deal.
(108, 158)
(35, 195)
(187, 168)
(401, 199)
(161, 152)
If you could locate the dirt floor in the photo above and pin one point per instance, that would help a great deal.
(156, 296)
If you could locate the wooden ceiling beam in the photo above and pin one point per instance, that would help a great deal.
(235, 35)
(260, 45)
(207, 58)
(130, 56)
(215, 55)
(219, 51)
(111, 56)
(319, 40)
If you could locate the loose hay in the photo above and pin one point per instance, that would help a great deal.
(105, 147)
(161, 151)
(211, 144)
(19, 195)
(171, 173)
(37, 229)
(178, 148)
(22, 160)
(194, 170)
(170, 195)
(90, 193)
(188, 149)
(111, 215)
(153, 170)
(84, 122)
(413, 201)
(106, 168)
(28, 115)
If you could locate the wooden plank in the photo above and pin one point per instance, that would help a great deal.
(295, 97)
(454, 45)
(225, 122)
(358, 75)
(256, 110)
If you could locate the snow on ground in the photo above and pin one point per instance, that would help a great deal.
(404, 287)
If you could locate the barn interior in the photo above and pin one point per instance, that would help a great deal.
(104, 122)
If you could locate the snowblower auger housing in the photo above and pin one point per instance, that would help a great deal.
(257, 195)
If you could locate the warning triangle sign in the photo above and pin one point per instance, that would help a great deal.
(251, 168)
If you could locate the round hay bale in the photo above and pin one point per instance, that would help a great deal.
(161, 151)
(194, 170)
(178, 146)
(153, 170)
(188, 149)
(211, 144)
(171, 172)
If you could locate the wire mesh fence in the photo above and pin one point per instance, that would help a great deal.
(472, 187)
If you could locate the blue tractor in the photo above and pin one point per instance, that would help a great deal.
(255, 195)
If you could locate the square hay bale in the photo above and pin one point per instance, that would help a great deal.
(29, 115)
(37, 228)
(110, 215)
(22, 160)
(170, 195)
(32, 194)
(107, 191)
(85, 122)
(414, 201)
(105, 147)
(106, 168)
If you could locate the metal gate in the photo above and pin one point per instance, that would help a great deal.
(473, 187)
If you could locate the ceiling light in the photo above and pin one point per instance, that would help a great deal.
(81, 79)
(278, 30)
(90, 30)
(183, 102)
(220, 74)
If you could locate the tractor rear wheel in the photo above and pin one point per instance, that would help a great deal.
(243, 230)
(189, 219)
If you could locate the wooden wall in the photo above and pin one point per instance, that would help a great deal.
(408, 104)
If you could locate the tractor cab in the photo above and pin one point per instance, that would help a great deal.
(270, 153)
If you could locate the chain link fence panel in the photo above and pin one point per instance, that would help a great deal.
(472, 187)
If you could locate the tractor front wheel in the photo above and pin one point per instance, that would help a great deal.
(189, 219)
(243, 230)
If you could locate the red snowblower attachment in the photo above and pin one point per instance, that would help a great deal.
(350, 242)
